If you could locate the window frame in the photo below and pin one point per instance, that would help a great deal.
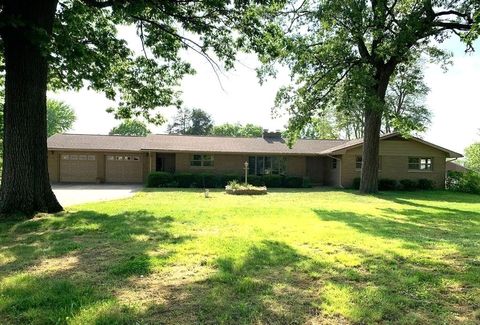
(202, 161)
(361, 163)
(426, 162)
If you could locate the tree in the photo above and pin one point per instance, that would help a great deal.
(60, 117)
(192, 122)
(68, 44)
(131, 128)
(237, 130)
(356, 45)
(472, 157)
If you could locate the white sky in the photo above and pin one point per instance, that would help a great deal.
(453, 98)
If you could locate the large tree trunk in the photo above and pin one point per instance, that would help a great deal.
(25, 183)
(371, 134)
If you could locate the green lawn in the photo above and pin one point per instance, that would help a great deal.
(290, 257)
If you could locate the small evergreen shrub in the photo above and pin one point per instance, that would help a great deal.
(226, 179)
(408, 185)
(185, 180)
(468, 182)
(356, 183)
(273, 180)
(205, 180)
(159, 179)
(387, 184)
(425, 184)
(306, 182)
(256, 180)
(293, 182)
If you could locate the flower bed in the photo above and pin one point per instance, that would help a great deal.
(235, 188)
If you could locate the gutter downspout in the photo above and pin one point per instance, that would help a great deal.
(339, 160)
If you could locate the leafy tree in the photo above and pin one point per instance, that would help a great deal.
(68, 44)
(353, 47)
(238, 130)
(60, 117)
(192, 122)
(131, 127)
(472, 157)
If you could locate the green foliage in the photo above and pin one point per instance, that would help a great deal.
(159, 179)
(425, 184)
(386, 184)
(205, 180)
(131, 128)
(408, 184)
(472, 157)
(227, 178)
(60, 117)
(468, 182)
(356, 183)
(237, 130)
(256, 180)
(293, 182)
(191, 122)
(272, 181)
(185, 180)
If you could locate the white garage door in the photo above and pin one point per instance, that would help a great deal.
(123, 169)
(78, 168)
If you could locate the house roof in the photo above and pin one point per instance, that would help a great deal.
(212, 144)
(450, 165)
(358, 142)
(94, 142)
(216, 144)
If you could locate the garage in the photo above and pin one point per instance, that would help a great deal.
(123, 169)
(81, 168)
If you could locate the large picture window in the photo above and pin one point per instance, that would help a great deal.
(419, 163)
(201, 161)
(266, 165)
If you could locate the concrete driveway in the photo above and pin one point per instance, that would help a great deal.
(71, 194)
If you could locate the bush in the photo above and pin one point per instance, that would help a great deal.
(185, 180)
(224, 180)
(207, 181)
(356, 183)
(468, 182)
(293, 182)
(425, 184)
(256, 180)
(273, 180)
(306, 182)
(387, 184)
(408, 185)
(159, 179)
(236, 188)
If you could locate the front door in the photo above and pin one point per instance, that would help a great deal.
(159, 164)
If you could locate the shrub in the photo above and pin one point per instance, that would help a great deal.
(224, 180)
(425, 184)
(273, 180)
(256, 180)
(306, 182)
(293, 182)
(468, 182)
(159, 179)
(356, 183)
(185, 180)
(207, 180)
(387, 184)
(236, 188)
(408, 185)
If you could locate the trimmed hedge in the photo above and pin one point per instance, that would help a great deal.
(386, 184)
(425, 184)
(159, 179)
(206, 180)
(408, 184)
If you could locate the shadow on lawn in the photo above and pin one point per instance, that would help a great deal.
(72, 264)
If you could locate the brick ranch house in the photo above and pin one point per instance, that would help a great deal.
(121, 159)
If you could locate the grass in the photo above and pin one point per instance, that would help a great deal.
(291, 257)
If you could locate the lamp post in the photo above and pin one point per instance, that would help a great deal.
(246, 172)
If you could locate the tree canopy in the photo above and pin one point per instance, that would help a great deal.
(130, 128)
(60, 117)
(344, 50)
(472, 157)
(191, 122)
(237, 130)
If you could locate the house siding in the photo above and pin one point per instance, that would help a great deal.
(394, 162)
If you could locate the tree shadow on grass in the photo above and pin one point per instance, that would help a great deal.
(72, 264)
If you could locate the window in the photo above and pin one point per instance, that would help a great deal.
(110, 158)
(201, 161)
(260, 165)
(91, 157)
(136, 158)
(358, 162)
(78, 157)
(418, 163)
(82, 157)
(334, 163)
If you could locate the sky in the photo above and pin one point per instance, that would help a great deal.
(453, 97)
